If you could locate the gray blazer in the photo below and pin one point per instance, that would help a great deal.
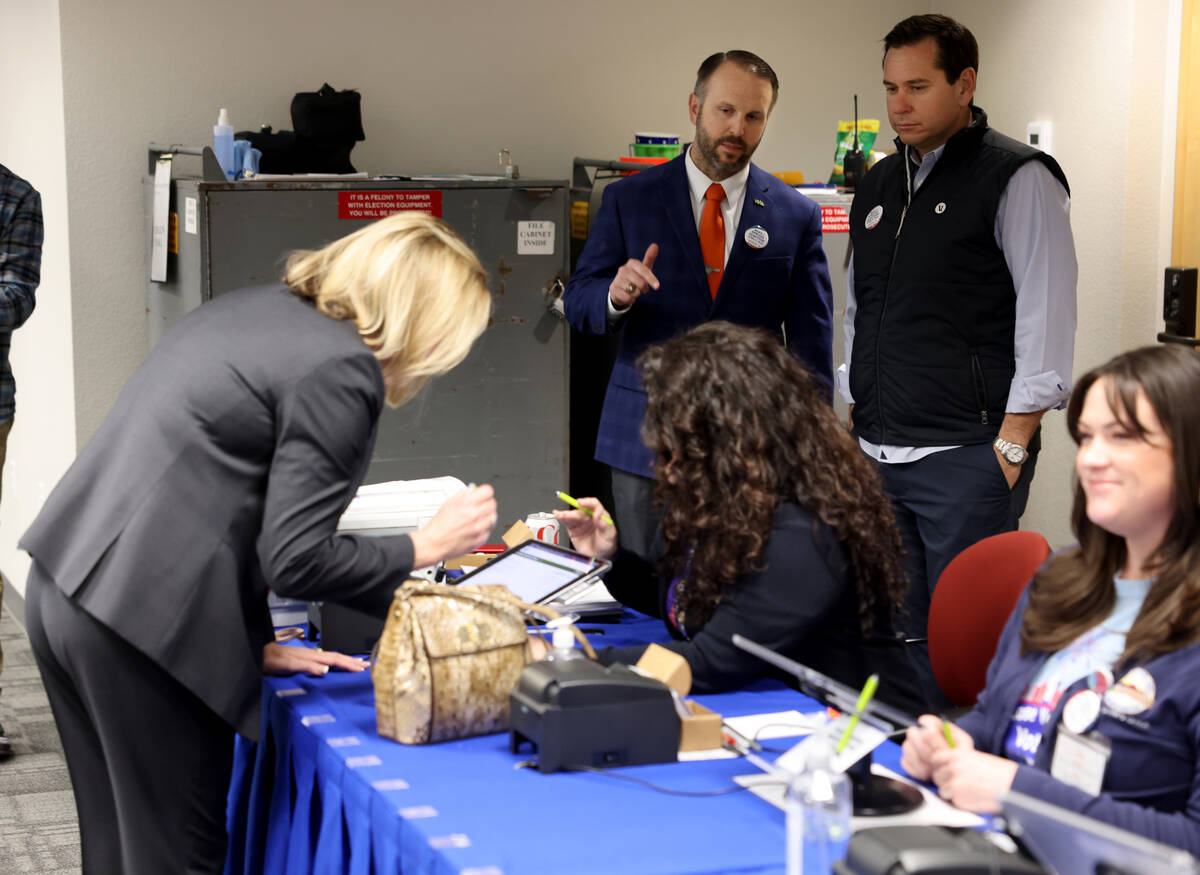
(221, 471)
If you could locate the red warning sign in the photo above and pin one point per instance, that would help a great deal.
(375, 204)
(834, 219)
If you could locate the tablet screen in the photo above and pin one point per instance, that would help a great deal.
(533, 570)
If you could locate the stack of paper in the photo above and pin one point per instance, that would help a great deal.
(397, 506)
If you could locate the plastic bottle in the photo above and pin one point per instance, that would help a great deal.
(223, 144)
(562, 642)
(819, 807)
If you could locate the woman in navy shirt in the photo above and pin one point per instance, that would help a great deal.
(775, 526)
(1091, 701)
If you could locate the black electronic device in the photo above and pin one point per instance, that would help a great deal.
(854, 164)
(1073, 844)
(929, 850)
(346, 630)
(576, 712)
(1179, 302)
(874, 795)
(541, 574)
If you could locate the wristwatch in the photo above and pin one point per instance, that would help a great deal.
(1014, 454)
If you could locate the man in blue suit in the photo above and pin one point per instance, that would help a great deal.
(706, 236)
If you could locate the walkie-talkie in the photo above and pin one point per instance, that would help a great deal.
(854, 165)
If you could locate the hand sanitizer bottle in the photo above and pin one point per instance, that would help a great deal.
(223, 144)
(819, 806)
(562, 641)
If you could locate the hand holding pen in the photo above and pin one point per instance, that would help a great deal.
(930, 735)
(590, 527)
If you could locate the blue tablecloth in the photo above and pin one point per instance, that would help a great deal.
(324, 793)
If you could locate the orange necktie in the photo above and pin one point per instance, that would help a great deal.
(712, 237)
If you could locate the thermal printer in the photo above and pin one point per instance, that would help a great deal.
(577, 712)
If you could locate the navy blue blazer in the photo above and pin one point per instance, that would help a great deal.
(1151, 785)
(783, 287)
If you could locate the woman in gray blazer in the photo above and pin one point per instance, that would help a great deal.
(220, 472)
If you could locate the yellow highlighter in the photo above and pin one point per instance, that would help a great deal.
(946, 732)
(864, 699)
(575, 504)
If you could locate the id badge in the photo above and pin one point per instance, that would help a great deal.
(1080, 760)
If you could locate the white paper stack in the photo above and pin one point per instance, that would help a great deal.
(397, 506)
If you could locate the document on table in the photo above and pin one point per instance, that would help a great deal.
(932, 811)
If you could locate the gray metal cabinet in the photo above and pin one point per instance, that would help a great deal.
(500, 417)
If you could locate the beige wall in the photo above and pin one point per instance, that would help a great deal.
(446, 84)
(32, 145)
(1101, 71)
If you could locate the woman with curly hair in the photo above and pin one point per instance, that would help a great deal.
(775, 526)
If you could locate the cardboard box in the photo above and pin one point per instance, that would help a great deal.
(668, 667)
(517, 533)
(468, 562)
(701, 731)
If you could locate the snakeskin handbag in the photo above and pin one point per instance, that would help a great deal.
(447, 660)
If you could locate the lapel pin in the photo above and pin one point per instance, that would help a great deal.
(756, 237)
(760, 203)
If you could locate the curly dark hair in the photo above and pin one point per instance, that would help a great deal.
(737, 428)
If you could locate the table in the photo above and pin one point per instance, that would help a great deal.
(323, 792)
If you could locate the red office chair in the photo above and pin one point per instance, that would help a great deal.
(971, 603)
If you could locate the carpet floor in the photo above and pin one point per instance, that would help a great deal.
(39, 831)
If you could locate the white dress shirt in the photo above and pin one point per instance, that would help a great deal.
(1033, 230)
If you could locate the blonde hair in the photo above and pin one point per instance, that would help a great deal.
(414, 289)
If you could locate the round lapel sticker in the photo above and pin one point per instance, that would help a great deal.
(1081, 711)
(874, 217)
(1132, 694)
(940, 208)
(757, 237)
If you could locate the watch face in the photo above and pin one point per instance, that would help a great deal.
(1014, 454)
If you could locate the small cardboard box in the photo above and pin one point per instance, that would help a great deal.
(468, 561)
(517, 533)
(701, 731)
(668, 667)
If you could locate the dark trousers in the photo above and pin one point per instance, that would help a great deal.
(637, 521)
(944, 503)
(149, 762)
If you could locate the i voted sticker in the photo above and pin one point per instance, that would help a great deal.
(874, 217)
(757, 237)
(1132, 694)
(1081, 711)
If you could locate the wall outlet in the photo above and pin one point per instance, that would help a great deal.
(1038, 135)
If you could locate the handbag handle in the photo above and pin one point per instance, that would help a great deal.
(552, 614)
(525, 607)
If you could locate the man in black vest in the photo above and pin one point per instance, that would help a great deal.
(960, 322)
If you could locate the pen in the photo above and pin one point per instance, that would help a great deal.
(946, 732)
(864, 698)
(575, 504)
(738, 740)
